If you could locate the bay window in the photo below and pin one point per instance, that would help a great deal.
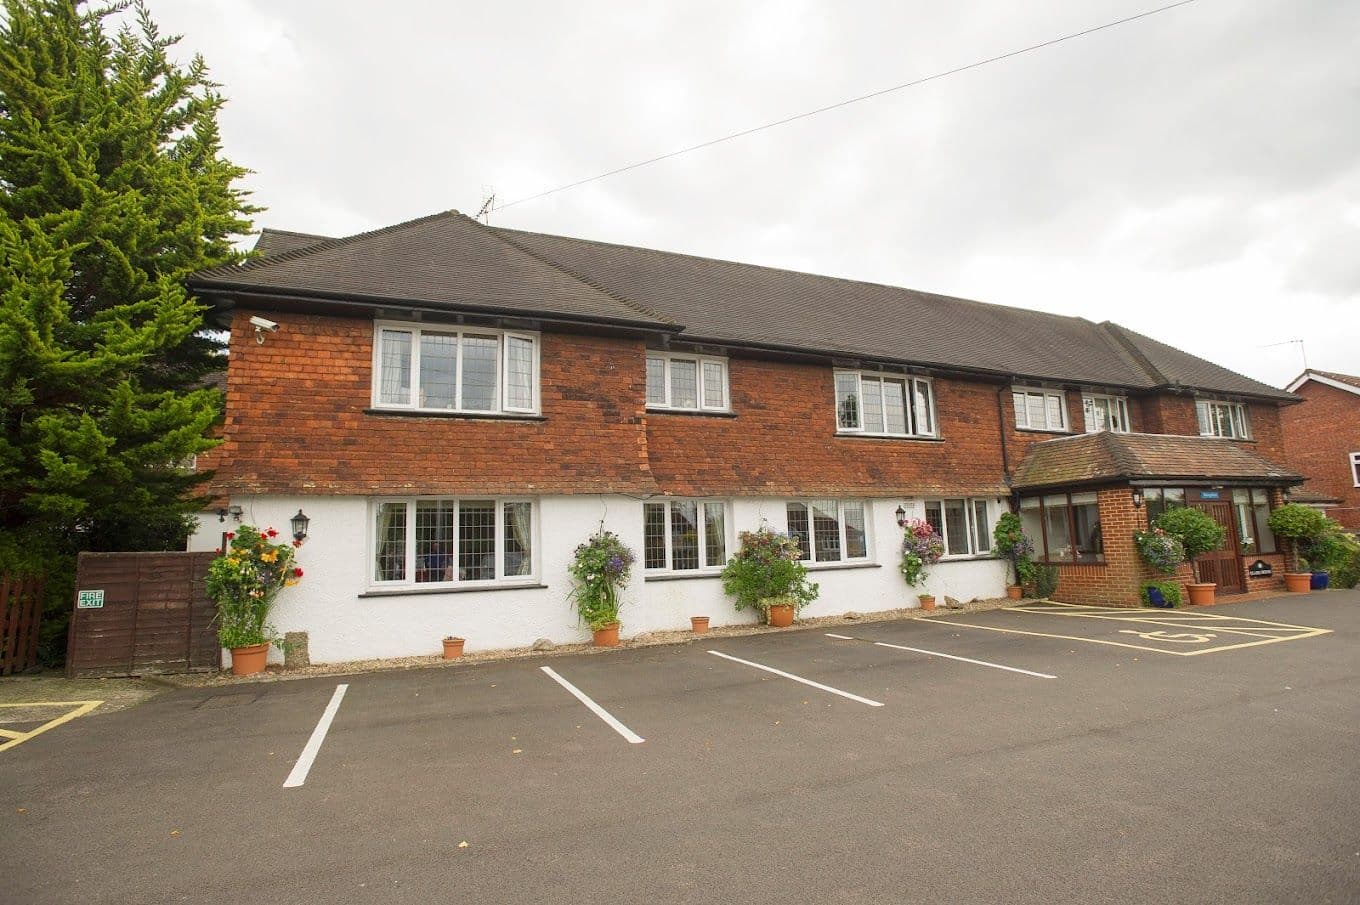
(1105, 413)
(1222, 419)
(696, 383)
(829, 531)
(1039, 409)
(684, 535)
(446, 369)
(962, 524)
(432, 541)
(1065, 527)
(884, 405)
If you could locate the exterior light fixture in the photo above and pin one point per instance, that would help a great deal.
(1137, 495)
(234, 511)
(901, 516)
(299, 523)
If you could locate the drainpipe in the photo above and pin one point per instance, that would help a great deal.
(1005, 451)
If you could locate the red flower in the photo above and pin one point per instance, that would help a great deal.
(297, 573)
(297, 543)
(218, 551)
(271, 533)
(231, 535)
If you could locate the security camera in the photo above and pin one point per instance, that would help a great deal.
(260, 323)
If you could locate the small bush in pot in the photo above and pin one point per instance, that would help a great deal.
(244, 581)
(1012, 545)
(599, 569)
(767, 571)
(1199, 534)
(1299, 524)
(921, 547)
(1169, 593)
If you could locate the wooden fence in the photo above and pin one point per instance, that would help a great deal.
(141, 613)
(21, 603)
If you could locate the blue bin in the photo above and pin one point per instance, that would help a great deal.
(1156, 598)
(1320, 581)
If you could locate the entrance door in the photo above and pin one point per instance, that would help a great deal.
(1222, 566)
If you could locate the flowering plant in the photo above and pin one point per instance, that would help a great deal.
(768, 570)
(244, 580)
(1014, 545)
(1163, 551)
(599, 568)
(921, 547)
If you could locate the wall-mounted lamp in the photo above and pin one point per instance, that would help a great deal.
(1137, 496)
(234, 511)
(299, 523)
(901, 516)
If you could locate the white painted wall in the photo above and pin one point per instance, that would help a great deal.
(345, 626)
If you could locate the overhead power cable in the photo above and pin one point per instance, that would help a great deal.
(845, 103)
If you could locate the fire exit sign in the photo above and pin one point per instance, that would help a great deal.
(90, 600)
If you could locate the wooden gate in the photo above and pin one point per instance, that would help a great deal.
(21, 603)
(1222, 566)
(141, 613)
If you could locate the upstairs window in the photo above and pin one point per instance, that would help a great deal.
(684, 536)
(438, 369)
(1105, 413)
(962, 525)
(693, 383)
(829, 531)
(1355, 467)
(882, 405)
(1222, 419)
(1038, 409)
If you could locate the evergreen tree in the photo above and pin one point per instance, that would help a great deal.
(113, 188)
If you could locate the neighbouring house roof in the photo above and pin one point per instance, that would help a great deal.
(1348, 382)
(451, 260)
(1108, 457)
(1303, 495)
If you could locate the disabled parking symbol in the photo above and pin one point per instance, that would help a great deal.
(1173, 637)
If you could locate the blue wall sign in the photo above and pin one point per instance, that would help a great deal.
(1208, 494)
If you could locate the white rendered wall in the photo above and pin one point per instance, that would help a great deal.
(342, 625)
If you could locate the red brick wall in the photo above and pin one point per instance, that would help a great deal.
(1165, 413)
(1320, 433)
(296, 422)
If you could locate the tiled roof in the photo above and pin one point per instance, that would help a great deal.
(1348, 382)
(1108, 456)
(1341, 378)
(444, 260)
(278, 241)
(449, 259)
(1304, 495)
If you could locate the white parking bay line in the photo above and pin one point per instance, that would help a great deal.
(632, 737)
(789, 675)
(309, 751)
(936, 653)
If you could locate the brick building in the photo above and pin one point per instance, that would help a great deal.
(456, 406)
(1322, 442)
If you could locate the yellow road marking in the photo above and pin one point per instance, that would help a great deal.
(18, 738)
(1310, 633)
(1160, 616)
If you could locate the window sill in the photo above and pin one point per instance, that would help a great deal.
(414, 591)
(693, 413)
(680, 576)
(968, 557)
(856, 435)
(474, 416)
(841, 566)
(1062, 431)
(1067, 562)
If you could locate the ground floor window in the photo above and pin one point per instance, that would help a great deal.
(829, 530)
(1065, 527)
(684, 535)
(1160, 499)
(449, 541)
(963, 525)
(1253, 509)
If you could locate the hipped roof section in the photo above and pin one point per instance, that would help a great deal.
(449, 260)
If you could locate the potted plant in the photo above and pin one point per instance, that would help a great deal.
(598, 570)
(927, 601)
(921, 547)
(453, 647)
(1299, 524)
(244, 581)
(1198, 533)
(699, 624)
(767, 575)
(1163, 594)
(1012, 544)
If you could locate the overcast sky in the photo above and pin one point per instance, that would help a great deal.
(1194, 175)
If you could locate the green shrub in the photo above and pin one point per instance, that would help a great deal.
(599, 568)
(1346, 573)
(1045, 580)
(1171, 590)
(1196, 530)
(767, 566)
(1332, 551)
(1298, 524)
(1012, 544)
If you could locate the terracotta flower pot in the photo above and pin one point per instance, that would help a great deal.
(1015, 592)
(699, 624)
(1201, 594)
(247, 661)
(1298, 582)
(781, 615)
(453, 648)
(927, 602)
(607, 636)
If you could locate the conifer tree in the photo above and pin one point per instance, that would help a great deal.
(113, 188)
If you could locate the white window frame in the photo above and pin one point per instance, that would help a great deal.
(410, 583)
(1355, 467)
(866, 508)
(705, 568)
(1210, 414)
(1047, 393)
(699, 378)
(970, 511)
(1120, 404)
(912, 420)
(502, 368)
